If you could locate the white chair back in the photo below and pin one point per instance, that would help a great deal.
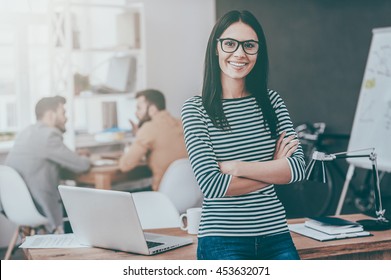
(155, 210)
(180, 185)
(16, 200)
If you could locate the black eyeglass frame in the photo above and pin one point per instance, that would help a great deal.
(240, 43)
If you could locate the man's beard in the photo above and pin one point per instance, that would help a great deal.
(143, 120)
(61, 128)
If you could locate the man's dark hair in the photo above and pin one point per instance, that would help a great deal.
(153, 97)
(48, 104)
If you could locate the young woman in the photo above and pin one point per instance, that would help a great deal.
(241, 141)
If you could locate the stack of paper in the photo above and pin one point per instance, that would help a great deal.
(329, 228)
(67, 240)
(333, 225)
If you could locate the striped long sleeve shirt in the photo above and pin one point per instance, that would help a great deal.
(253, 214)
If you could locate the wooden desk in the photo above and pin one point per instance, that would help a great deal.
(377, 246)
(187, 252)
(102, 177)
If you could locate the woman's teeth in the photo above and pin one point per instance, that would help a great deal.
(237, 64)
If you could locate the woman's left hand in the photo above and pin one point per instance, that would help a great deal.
(229, 167)
(285, 147)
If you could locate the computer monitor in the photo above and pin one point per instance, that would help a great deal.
(121, 76)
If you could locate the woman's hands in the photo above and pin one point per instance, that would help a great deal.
(229, 167)
(285, 147)
(251, 176)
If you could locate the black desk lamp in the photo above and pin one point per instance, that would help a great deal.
(315, 171)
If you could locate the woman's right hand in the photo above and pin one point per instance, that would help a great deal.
(285, 147)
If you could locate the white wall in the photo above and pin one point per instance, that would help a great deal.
(177, 32)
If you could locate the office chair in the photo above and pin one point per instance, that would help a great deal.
(180, 185)
(18, 206)
(155, 210)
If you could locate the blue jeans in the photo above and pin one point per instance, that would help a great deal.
(273, 247)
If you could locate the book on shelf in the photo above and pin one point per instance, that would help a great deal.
(333, 225)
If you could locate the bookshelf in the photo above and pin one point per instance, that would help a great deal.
(90, 40)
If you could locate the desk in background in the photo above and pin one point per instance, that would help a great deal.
(103, 177)
(377, 246)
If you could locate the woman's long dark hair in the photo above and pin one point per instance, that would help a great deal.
(256, 80)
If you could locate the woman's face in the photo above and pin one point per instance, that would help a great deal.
(238, 64)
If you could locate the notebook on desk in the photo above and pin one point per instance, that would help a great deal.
(109, 219)
(333, 225)
(302, 229)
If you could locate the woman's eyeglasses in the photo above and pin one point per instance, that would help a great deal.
(229, 45)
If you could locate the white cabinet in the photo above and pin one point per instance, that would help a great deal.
(98, 62)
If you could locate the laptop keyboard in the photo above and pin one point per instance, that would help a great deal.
(152, 244)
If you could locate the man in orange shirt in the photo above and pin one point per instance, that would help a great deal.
(159, 137)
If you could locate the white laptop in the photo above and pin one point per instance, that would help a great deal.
(109, 219)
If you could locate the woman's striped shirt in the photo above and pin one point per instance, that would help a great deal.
(253, 214)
